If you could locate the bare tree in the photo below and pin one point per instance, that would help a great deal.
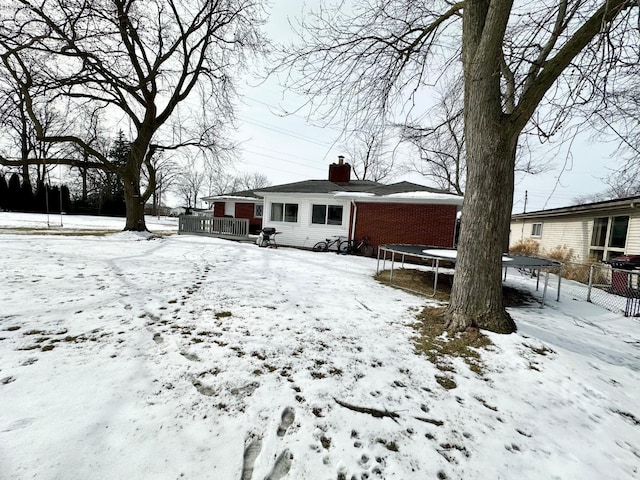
(141, 61)
(441, 145)
(20, 140)
(188, 184)
(525, 64)
(370, 160)
(251, 181)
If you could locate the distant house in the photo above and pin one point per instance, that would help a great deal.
(245, 204)
(304, 213)
(594, 231)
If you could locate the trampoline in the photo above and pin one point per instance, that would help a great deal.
(439, 254)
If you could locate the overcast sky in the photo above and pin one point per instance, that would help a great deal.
(289, 149)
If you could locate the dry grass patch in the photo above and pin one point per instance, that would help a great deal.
(418, 281)
(421, 283)
(439, 347)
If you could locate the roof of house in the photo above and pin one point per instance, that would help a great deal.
(618, 203)
(241, 195)
(363, 186)
(320, 186)
(365, 190)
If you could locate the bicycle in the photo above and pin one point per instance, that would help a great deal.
(363, 247)
(329, 243)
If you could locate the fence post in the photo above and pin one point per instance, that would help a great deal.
(590, 283)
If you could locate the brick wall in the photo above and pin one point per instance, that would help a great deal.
(386, 223)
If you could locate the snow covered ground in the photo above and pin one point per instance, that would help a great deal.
(198, 358)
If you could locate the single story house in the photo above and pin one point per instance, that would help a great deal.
(304, 213)
(594, 231)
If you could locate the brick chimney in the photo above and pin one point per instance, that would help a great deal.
(340, 172)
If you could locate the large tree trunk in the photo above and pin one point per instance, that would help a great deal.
(476, 295)
(135, 205)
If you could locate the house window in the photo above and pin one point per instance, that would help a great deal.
(536, 230)
(257, 210)
(326, 214)
(284, 212)
(599, 234)
(608, 237)
(618, 235)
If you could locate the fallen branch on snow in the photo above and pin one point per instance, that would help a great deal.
(370, 411)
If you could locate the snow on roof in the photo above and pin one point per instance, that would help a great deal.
(425, 195)
(353, 194)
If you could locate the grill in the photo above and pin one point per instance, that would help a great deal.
(625, 262)
(621, 281)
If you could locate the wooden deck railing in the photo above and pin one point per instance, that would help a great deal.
(214, 226)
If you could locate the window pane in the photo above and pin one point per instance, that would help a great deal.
(318, 213)
(618, 235)
(257, 210)
(335, 215)
(291, 212)
(599, 233)
(276, 212)
(536, 229)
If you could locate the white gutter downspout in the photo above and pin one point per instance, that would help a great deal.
(353, 223)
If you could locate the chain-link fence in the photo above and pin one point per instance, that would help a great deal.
(615, 289)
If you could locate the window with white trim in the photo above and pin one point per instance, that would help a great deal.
(257, 210)
(284, 212)
(326, 214)
(608, 237)
(536, 230)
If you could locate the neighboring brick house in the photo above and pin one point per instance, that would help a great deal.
(310, 211)
(594, 231)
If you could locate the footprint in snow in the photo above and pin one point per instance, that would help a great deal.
(281, 467)
(288, 416)
(251, 452)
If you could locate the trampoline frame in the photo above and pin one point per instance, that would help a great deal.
(418, 251)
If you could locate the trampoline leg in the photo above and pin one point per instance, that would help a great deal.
(546, 282)
(435, 278)
(393, 261)
(559, 281)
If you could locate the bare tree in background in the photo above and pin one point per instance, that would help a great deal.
(368, 156)
(219, 182)
(441, 145)
(525, 64)
(20, 139)
(251, 181)
(141, 61)
(188, 185)
(618, 119)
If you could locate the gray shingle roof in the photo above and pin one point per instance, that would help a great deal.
(325, 186)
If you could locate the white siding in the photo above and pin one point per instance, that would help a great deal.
(573, 231)
(633, 235)
(303, 233)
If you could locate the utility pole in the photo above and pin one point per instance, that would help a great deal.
(526, 194)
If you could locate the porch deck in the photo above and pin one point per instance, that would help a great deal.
(220, 227)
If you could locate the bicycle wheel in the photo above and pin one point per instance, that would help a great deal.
(366, 250)
(344, 247)
(320, 247)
